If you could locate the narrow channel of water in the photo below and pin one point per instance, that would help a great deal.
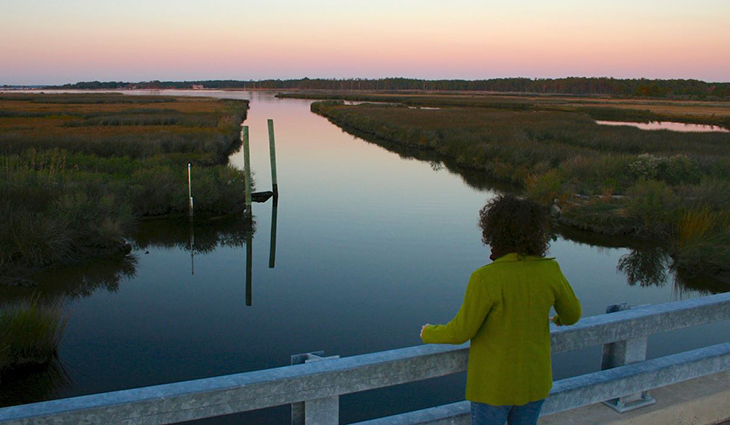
(370, 244)
(668, 125)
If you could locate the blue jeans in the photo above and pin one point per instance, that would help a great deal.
(486, 414)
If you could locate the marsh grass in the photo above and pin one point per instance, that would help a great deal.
(627, 180)
(694, 225)
(83, 98)
(30, 333)
(598, 108)
(703, 240)
(68, 193)
(511, 145)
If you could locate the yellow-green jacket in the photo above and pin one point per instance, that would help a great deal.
(505, 314)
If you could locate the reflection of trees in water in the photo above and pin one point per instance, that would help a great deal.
(647, 267)
(34, 383)
(652, 266)
(77, 281)
(107, 274)
(646, 264)
(199, 237)
(82, 280)
(30, 384)
(473, 178)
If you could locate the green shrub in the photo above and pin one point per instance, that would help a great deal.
(654, 204)
(674, 170)
(679, 169)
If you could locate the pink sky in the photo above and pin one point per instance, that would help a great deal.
(49, 42)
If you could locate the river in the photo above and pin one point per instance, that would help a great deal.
(370, 245)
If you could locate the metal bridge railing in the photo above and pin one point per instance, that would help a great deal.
(314, 385)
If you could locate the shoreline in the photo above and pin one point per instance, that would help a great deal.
(19, 270)
(576, 215)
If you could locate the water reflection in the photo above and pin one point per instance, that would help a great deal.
(200, 237)
(77, 281)
(80, 281)
(653, 266)
(646, 264)
(647, 267)
(204, 238)
(249, 265)
(192, 247)
(272, 245)
(33, 383)
(668, 125)
(473, 178)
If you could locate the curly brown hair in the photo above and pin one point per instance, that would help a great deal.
(510, 224)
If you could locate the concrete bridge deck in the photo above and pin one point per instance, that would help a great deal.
(700, 401)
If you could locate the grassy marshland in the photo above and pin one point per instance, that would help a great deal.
(600, 108)
(667, 185)
(76, 171)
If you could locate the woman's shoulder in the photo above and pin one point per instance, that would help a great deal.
(509, 264)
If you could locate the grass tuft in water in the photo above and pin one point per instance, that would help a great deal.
(30, 333)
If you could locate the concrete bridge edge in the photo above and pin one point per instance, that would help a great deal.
(700, 401)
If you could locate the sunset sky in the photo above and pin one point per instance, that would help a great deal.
(55, 42)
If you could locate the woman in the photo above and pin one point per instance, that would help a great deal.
(505, 315)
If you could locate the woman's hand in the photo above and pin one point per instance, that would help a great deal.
(424, 327)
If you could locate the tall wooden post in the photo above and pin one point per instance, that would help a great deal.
(272, 154)
(247, 166)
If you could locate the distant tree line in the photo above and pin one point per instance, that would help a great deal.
(571, 85)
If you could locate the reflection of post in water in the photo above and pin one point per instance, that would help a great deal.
(272, 250)
(259, 197)
(34, 383)
(192, 246)
(249, 261)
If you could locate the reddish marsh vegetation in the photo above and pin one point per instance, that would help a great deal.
(76, 171)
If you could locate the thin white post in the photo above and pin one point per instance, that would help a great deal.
(190, 191)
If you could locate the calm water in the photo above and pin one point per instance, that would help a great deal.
(370, 244)
(668, 125)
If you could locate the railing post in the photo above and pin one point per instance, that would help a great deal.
(621, 353)
(322, 411)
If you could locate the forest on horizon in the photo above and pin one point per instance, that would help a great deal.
(654, 88)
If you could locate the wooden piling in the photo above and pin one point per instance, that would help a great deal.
(247, 166)
(272, 154)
